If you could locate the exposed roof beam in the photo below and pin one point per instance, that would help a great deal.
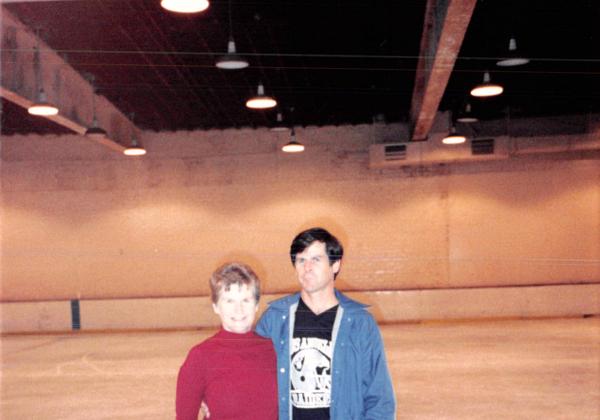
(446, 22)
(63, 85)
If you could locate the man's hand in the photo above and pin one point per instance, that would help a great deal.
(204, 410)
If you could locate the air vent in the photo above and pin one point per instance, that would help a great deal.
(395, 152)
(482, 147)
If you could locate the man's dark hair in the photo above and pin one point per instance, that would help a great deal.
(303, 240)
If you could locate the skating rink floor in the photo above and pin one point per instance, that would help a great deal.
(517, 369)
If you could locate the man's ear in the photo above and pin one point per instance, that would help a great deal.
(215, 308)
(336, 266)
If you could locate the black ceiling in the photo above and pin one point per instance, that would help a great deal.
(332, 62)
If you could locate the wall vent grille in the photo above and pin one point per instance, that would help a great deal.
(395, 152)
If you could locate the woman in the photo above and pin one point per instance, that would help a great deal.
(234, 371)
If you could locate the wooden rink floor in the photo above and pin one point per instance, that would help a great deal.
(517, 369)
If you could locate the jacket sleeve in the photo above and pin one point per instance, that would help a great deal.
(263, 327)
(378, 390)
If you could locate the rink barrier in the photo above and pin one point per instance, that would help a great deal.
(387, 306)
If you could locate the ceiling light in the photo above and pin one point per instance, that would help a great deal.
(279, 125)
(134, 149)
(453, 137)
(487, 88)
(467, 115)
(293, 146)
(261, 101)
(513, 58)
(96, 132)
(185, 6)
(231, 61)
(42, 107)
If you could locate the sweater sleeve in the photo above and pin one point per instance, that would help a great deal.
(190, 387)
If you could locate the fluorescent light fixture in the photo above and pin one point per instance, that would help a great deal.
(185, 6)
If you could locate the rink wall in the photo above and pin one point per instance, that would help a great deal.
(387, 307)
(80, 222)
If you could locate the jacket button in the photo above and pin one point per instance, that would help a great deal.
(282, 370)
(283, 317)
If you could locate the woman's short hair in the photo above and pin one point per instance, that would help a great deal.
(233, 273)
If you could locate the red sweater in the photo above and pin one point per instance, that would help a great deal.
(234, 374)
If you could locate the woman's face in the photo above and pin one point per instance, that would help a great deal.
(237, 308)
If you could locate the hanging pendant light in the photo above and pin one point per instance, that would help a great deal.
(487, 88)
(293, 146)
(95, 132)
(231, 60)
(453, 137)
(185, 6)
(42, 107)
(134, 149)
(261, 101)
(279, 126)
(513, 58)
(467, 115)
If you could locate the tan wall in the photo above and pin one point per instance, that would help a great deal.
(80, 221)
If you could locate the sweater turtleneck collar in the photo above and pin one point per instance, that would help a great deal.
(228, 335)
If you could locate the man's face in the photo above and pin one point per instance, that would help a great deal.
(236, 307)
(314, 272)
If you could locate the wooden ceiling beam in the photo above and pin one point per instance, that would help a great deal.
(63, 85)
(444, 29)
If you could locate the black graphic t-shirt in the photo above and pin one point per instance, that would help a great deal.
(310, 367)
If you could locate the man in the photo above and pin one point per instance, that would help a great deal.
(330, 357)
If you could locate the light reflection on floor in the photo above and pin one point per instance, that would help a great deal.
(534, 369)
